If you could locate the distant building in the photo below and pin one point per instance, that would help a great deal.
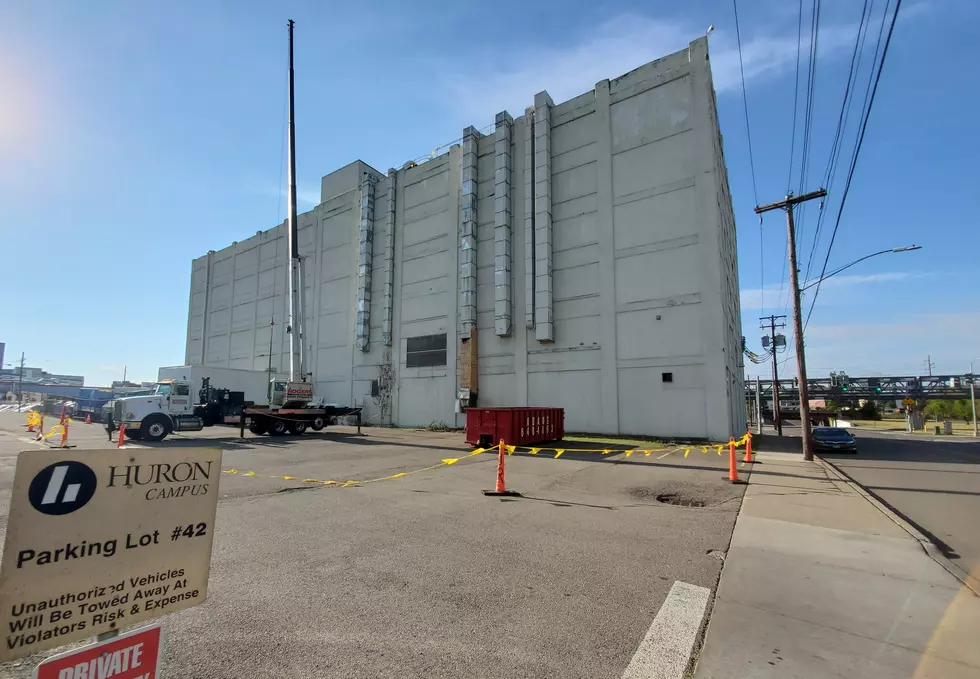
(39, 376)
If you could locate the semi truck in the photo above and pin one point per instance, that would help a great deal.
(192, 397)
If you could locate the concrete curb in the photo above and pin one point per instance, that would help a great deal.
(927, 545)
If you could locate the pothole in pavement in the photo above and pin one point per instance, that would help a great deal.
(688, 495)
(680, 500)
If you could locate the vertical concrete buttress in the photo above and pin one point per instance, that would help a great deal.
(389, 280)
(502, 229)
(529, 217)
(467, 233)
(365, 252)
(544, 326)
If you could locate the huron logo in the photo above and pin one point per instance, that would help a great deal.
(62, 488)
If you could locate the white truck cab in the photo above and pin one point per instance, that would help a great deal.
(171, 407)
(189, 398)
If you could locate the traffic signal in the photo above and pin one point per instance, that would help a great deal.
(878, 389)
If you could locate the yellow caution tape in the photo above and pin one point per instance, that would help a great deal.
(450, 460)
(558, 452)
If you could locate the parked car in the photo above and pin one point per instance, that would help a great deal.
(833, 440)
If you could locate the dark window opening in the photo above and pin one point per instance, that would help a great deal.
(426, 351)
(375, 388)
(667, 377)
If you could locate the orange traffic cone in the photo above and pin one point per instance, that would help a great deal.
(88, 419)
(122, 435)
(748, 447)
(501, 488)
(64, 434)
(30, 425)
(732, 462)
(62, 414)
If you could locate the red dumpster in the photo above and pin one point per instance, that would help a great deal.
(516, 426)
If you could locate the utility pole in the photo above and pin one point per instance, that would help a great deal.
(794, 277)
(929, 364)
(973, 399)
(776, 416)
(20, 383)
(973, 403)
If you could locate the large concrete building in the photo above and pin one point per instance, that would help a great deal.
(581, 255)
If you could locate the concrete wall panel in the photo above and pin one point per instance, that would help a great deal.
(655, 219)
(663, 274)
(655, 164)
(639, 334)
(573, 390)
(646, 403)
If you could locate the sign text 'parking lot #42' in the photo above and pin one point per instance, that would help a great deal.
(98, 540)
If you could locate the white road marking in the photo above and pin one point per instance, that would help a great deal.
(666, 648)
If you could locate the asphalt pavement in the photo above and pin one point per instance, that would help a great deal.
(933, 483)
(378, 555)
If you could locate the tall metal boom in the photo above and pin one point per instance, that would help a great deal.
(294, 324)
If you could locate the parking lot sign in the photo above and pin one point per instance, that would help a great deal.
(101, 539)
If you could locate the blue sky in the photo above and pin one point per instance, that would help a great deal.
(137, 136)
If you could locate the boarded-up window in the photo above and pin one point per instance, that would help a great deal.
(428, 350)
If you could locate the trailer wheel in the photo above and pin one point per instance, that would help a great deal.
(277, 428)
(134, 434)
(155, 427)
(257, 427)
(297, 427)
(318, 423)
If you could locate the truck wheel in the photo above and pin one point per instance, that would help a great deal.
(257, 427)
(277, 428)
(318, 423)
(155, 428)
(297, 427)
(134, 434)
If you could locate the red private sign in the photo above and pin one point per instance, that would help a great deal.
(135, 655)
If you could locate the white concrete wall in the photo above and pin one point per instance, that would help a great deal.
(641, 256)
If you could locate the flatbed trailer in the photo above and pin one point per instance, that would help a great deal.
(279, 421)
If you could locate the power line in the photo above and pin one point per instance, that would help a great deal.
(808, 116)
(857, 150)
(745, 102)
(796, 97)
(845, 108)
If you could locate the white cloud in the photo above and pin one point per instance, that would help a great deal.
(612, 49)
(306, 196)
(755, 298)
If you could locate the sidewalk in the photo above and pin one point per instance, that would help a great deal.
(818, 582)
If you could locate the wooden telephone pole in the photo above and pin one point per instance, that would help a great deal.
(776, 417)
(794, 278)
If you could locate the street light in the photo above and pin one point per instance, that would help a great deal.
(906, 248)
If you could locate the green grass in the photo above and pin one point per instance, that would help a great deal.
(960, 428)
(613, 440)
